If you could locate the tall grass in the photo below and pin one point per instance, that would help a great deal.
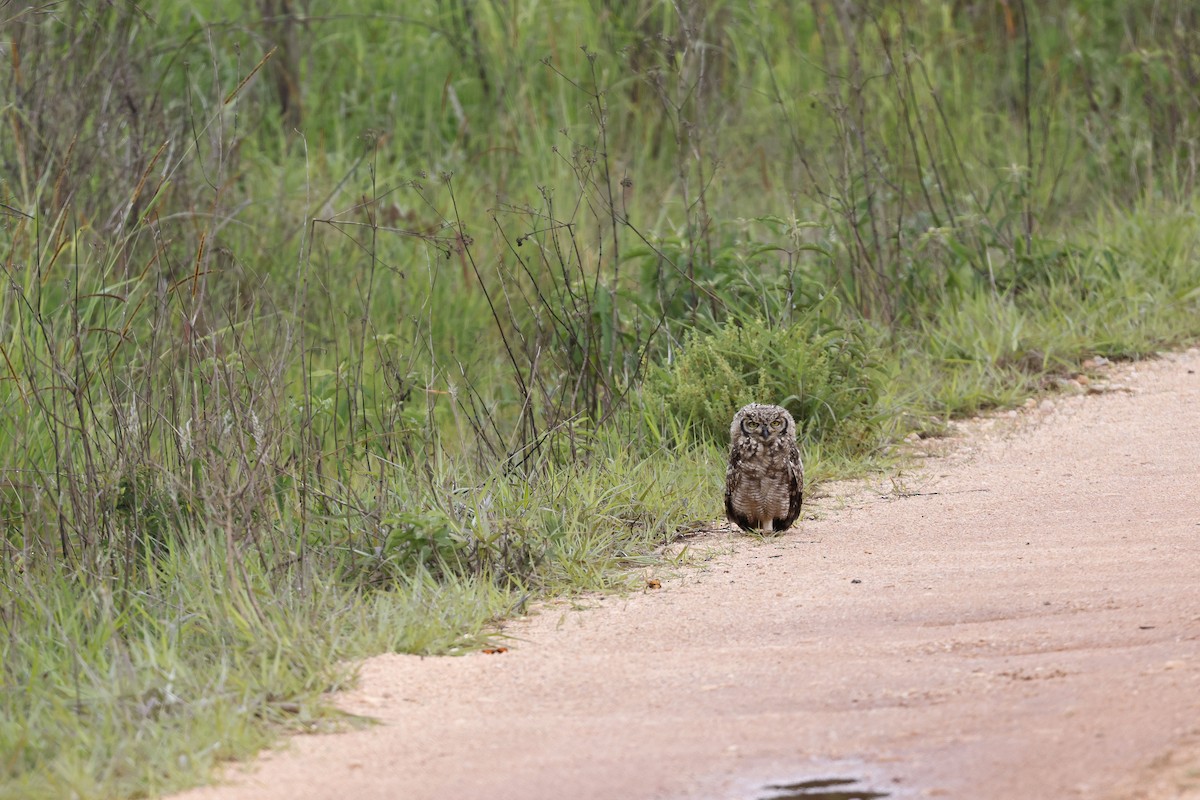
(332, 333)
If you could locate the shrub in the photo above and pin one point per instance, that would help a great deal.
(824, 373)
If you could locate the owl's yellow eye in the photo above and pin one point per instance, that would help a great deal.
(751, 425)
(776, 424)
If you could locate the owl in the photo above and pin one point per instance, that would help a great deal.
(765, 480)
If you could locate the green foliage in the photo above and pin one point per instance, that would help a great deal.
(117, 692)
(1133, 289)
(823, 372)
(420, 539)
(738, 278)
(566, 530)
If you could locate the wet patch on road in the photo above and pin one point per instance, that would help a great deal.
(821, 789)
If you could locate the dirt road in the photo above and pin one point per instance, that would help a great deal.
(1018, 619)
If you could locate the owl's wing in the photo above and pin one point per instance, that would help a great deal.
(795, 493)
(733, 477)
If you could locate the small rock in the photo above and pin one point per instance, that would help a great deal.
(1046, 405)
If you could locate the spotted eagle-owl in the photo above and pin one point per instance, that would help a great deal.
(764, 484)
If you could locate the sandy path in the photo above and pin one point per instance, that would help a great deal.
(1021, 620)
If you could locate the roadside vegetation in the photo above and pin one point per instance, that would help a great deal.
(331, 333)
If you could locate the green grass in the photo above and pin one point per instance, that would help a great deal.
(112, 693)
(336, 334)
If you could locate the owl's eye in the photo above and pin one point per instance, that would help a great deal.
(776, 424)
(751, 425)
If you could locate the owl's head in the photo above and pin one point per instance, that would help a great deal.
(762, 422)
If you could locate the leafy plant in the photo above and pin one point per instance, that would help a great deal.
(823, 371)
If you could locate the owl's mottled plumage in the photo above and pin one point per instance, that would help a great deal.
(764, 484)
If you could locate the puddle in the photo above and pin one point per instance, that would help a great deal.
(822, 789)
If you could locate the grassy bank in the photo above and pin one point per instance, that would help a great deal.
(331, 334)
